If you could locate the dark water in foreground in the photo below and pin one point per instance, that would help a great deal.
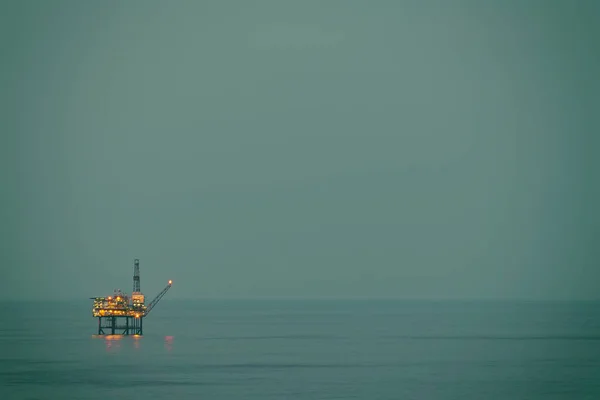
(306, 350)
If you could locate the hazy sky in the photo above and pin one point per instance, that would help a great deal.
(431, 149)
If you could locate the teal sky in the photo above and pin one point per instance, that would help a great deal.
(429, 149)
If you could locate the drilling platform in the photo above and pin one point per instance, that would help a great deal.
(120, 314)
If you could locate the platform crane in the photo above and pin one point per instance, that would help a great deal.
(159, 296)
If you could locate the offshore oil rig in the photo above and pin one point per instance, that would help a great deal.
(120, 314)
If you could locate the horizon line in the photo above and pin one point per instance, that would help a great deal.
(338, 298)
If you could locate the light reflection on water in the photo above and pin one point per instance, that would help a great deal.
(169, 343)
(136, 341)
(113, 342)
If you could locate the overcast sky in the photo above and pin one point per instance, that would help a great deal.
(414, 149)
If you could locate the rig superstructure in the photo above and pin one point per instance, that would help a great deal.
(120, 314)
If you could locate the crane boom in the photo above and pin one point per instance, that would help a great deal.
(159, 296)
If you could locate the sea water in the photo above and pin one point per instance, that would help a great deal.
(305, 349)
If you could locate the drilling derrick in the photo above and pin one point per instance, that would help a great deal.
(136, 276)
(121, 314)
(137, 298)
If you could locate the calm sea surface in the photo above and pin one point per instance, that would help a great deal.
(306, 350)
